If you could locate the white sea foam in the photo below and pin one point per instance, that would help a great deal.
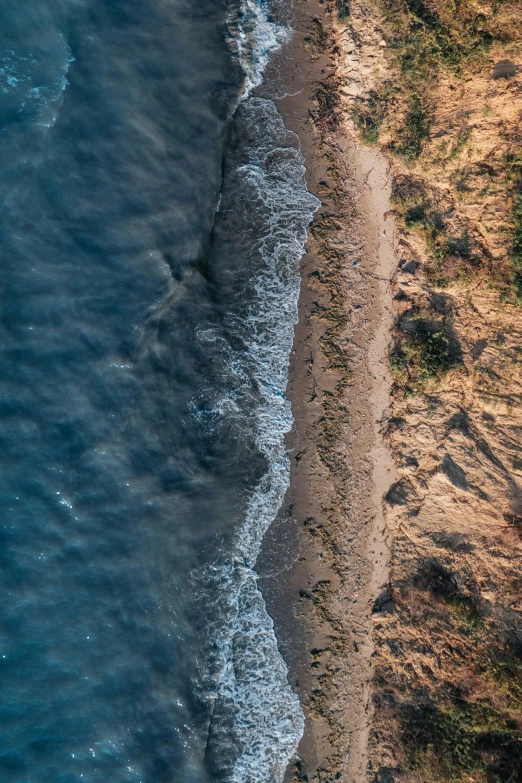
(253, 700)
(270, 721)
(255, 34)
(263, 712)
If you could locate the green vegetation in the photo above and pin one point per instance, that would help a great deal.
(431, 346)
(474, 725)
(343, 9)
(453, 670)
(466, 612)
(457, 246)
(438, 35)
(426, 350)
(463, 606)
(453, 740)
(427, 38)
(429, 42)
(504, 666)
(408, 191)
(416, 130)
(413, 206)
(368, 115)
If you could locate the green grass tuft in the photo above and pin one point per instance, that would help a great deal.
(368, 114)
(416, 131)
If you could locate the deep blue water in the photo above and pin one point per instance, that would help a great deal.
(150, 232)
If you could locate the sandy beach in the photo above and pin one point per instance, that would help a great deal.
(331, 528)
(399, 615)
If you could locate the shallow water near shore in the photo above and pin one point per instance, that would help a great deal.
(154, 215)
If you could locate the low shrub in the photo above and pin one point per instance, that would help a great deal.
(450, 742)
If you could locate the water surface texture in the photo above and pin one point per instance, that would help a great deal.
(153, 215)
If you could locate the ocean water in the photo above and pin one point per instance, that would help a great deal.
(154, 211)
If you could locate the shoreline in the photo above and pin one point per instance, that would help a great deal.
(400, 612)
(331, 527)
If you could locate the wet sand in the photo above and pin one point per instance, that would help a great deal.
(324, 560)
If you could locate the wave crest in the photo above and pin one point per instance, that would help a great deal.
(254, 34)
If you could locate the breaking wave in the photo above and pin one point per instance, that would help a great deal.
(266, 203)
(257, 28)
